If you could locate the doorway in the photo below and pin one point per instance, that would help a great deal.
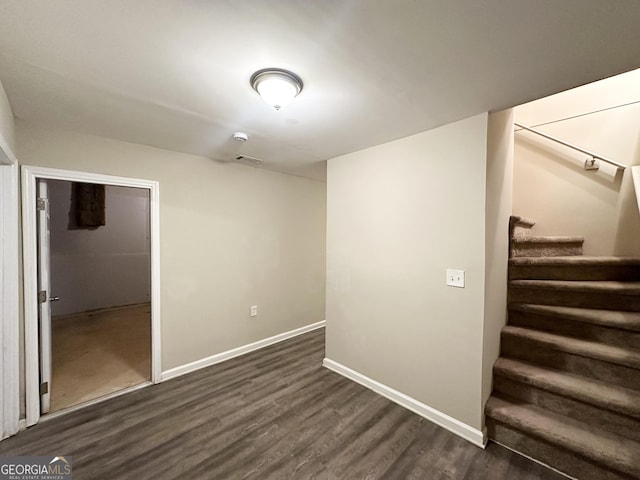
(100, 289)
(91, 287)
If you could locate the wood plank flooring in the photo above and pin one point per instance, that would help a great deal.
(100, 352)
(272, 414)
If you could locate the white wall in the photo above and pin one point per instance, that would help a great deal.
(398, 215)
(6, 121)
(103, 267)
(550, 184)
(10, 335)
(230, 237)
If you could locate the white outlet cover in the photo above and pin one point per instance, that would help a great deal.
(455, 278)
(254, 310)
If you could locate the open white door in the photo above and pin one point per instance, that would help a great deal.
(44, 290)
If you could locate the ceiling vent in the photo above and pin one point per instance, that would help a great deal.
(247, 160)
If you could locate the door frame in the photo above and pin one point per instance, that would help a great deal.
(9, 296)
(29, 247)
(43, 259)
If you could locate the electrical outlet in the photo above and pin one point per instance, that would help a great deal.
(455, 278)
(254, 310)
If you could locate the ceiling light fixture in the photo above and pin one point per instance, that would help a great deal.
(276, 86)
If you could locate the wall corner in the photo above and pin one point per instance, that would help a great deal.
(498, 208)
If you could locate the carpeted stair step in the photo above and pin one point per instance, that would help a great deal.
(530, 246)
(575, 268)
(520, 226)
(606, 326)
(607, 295)
(607, 363)
(573, 447)
(607, 406)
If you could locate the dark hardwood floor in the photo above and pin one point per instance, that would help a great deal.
(272, 414)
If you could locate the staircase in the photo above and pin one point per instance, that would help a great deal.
(567, 383)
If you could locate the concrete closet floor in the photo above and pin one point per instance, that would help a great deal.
(100, 352)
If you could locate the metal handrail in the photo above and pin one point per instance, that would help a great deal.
(570, 145)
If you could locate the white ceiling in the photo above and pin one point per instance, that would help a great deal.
(175, 74)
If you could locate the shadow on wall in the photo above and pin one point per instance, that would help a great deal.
(612, 181)
(627, 240)
(553, 189)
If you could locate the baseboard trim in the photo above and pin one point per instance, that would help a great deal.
(236, 352)
(473, 435)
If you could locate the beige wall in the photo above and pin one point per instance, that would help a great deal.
(230, 237)
(550, 185)
(6, 120)
(498, 210)
(9, 249)
(399, 215)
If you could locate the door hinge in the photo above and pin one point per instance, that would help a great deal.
(41, 204)
(44, 388)
(42, 296)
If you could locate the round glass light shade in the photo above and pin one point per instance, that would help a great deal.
(277, 87)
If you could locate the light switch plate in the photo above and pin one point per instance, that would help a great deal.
(455, 278)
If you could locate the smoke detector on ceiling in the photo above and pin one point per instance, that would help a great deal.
(240, 137)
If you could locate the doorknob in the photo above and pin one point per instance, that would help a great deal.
(54, 299)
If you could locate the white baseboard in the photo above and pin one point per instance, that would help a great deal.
(473, 435)
(235, 352)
